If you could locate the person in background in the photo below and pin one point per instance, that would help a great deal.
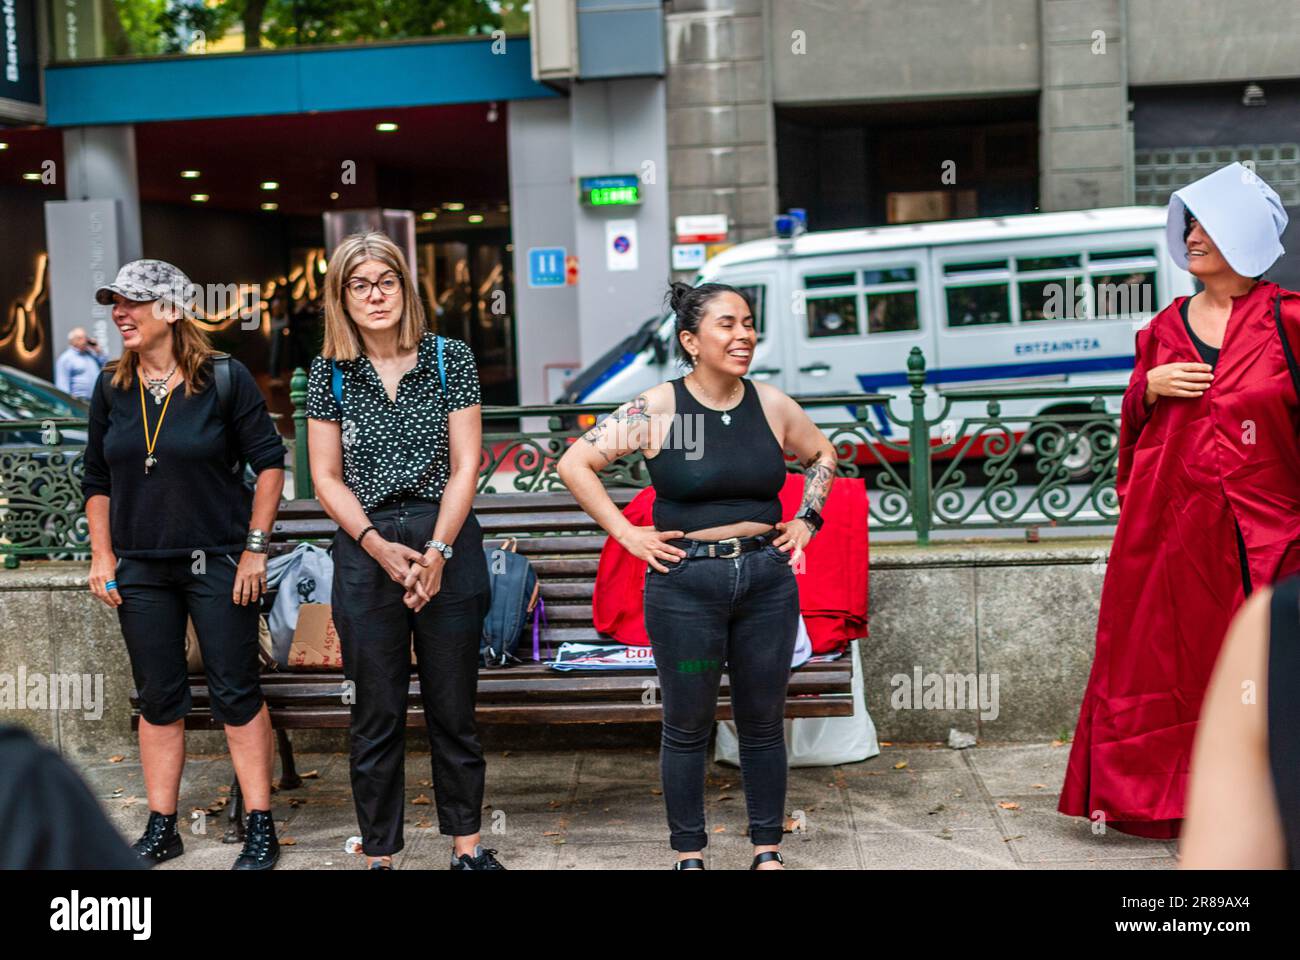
(281, 345)
(78, 366)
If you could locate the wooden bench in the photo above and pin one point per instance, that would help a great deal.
(563, 545)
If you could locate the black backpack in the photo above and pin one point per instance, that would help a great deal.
(515, 594)
(225, 404)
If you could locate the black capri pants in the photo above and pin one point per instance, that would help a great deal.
(375, 631)
(157, 596)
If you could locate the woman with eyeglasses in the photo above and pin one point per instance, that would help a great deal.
(394, 434)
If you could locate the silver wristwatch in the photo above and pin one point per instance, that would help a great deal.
(440, 547)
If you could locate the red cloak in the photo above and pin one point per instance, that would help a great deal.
(1189, 472)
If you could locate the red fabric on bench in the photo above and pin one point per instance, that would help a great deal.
(832, 588)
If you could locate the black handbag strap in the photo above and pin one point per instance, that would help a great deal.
(1286, 343)
(225, 404)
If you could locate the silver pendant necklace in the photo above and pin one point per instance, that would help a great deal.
(158, 385)
(726, 414)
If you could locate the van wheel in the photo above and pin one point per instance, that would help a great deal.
(1077, 461)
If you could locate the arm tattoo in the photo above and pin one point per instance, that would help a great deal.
(629, 420)
(818, 474)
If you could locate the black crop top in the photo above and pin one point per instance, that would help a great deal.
(710, 473)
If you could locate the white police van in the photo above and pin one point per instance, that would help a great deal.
(1045, 299)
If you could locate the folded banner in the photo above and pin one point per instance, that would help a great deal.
(619, 656)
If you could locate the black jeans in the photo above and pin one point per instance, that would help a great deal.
(704, 613)
(375, 629)
(157, 596)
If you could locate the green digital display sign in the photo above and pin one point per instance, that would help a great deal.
(621, 190)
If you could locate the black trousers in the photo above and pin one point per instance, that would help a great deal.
(375, 633)
(704, 614)
(157, 596)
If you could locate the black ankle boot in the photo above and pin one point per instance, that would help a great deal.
(261, 848)
(161, 840)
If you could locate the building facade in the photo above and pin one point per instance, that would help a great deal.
(543, 167)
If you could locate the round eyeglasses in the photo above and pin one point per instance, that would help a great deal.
(359, 287)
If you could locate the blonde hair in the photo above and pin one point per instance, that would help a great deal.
(191, 348)
(342, 341)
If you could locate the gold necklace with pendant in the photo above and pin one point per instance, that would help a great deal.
(151, 442)
(726, 414)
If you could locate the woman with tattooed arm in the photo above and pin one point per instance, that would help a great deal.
(720, 582)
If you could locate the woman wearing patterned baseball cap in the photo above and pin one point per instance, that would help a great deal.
(175, 535)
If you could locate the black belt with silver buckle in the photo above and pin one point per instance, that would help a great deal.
(725, 549)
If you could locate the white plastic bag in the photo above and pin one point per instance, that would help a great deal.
(817, 741)
(303, 576)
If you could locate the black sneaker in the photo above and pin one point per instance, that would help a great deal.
(483, 861)
(161, 840)
(261, 848)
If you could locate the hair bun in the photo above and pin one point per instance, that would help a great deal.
(677, 294)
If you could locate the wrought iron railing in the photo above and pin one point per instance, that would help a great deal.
(986, 468)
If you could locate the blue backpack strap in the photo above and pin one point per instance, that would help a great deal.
(442, 368)
(336, 383)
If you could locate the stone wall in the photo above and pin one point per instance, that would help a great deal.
(1013, 621)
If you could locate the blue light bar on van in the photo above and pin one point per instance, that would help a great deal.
(785, 226)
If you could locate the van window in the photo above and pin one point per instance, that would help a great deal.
(1030, 264)
(978, 266)
(1123, 283)
(892, 312)
(756, 294)
(973, 303)
(1051, 288)
(833, 316)
(1051, 298)
(886, 296)
(873, 278)
(977, 305)
(816, 281)
(1128, 294)
(1081, 286)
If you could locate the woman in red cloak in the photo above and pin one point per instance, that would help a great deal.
(1209, 487)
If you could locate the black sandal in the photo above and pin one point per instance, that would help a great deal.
(695, 864)
(765, 856)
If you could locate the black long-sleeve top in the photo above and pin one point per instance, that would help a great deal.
(190, 500)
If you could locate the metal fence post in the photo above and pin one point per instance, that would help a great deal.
(918, 447)
(302, 488)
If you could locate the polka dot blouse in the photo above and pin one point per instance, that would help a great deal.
(396, 450)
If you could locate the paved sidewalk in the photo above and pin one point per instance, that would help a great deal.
(913, 806)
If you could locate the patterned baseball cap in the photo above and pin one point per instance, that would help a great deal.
(144, 280)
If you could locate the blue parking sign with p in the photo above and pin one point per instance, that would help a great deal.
(546, 266)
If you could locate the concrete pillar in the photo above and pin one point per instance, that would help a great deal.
(541, 215)
(1086, 156)
(100, 164)
(93, 232)
(721, 141)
